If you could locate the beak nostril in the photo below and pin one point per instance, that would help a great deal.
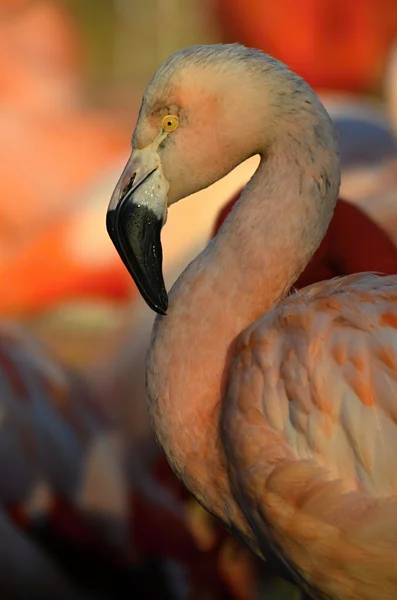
(129, 185)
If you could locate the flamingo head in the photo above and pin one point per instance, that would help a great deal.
(207, 109)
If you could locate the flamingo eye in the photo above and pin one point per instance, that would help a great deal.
(170, 122)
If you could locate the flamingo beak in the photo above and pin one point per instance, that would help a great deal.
(135, 217)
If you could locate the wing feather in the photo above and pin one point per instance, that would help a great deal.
(315, 473)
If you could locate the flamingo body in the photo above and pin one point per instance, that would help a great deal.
(277, 412)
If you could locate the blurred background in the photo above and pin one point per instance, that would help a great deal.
(72, 74)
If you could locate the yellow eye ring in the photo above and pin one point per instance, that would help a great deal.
(170, 122)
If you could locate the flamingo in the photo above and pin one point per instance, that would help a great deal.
(276, 411)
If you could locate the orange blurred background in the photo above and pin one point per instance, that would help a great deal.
(71, 77)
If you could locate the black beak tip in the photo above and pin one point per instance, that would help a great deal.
(156, 298)
(147, 274)
(161, 307)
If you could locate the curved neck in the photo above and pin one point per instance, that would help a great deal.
(264, 244)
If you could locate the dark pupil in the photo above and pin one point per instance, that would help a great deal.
(169, 123)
